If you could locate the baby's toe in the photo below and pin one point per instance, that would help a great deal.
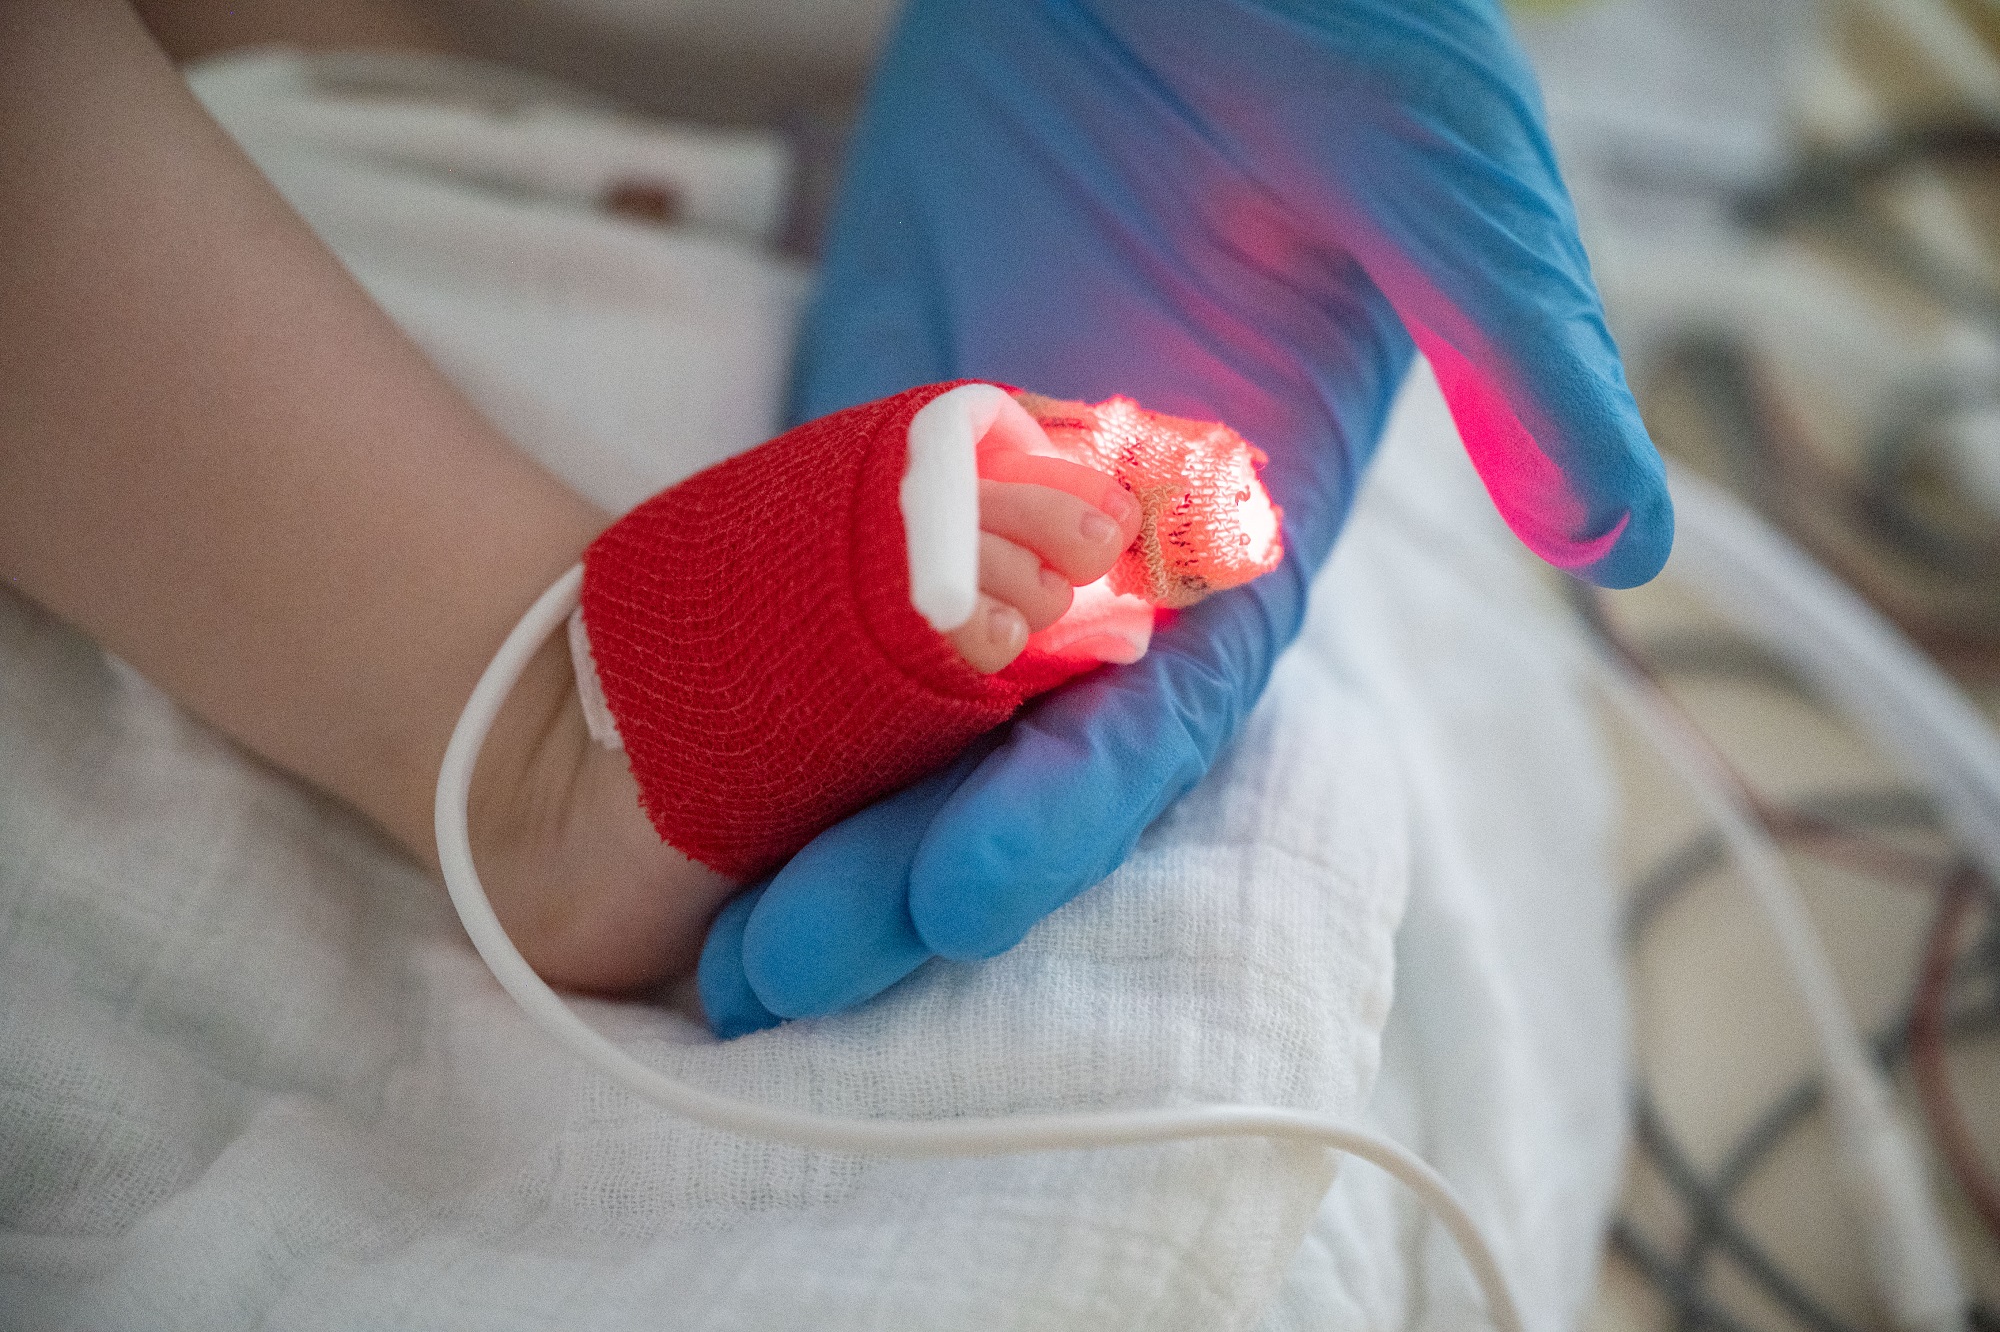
(1016, 575)
(1078, 540)
(993, 637)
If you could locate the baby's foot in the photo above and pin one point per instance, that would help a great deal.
(1031, 511)
(1052, 479)
(1047, 527)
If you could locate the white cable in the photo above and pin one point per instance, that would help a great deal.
(1915, 1267)
(1741, 564)
(1756, 854)
(1775, 592)
(1911, 1249)
(906, 1138)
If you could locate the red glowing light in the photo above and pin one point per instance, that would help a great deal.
(1206, 523)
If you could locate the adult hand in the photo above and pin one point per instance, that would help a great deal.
(1239, 210)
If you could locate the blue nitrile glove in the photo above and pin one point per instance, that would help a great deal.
(1226, 209)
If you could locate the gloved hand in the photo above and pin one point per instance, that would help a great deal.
(1235, 210)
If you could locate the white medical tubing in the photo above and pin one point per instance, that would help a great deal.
(1776, 593)
(1915, 1268)
(1747, 571)
(904, 1138)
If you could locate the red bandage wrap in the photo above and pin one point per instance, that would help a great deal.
(753, 633)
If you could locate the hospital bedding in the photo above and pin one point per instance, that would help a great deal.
(251, 1075)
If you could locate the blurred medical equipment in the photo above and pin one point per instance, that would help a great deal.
(1778, 597)
(1836, 301)
(1816, 316)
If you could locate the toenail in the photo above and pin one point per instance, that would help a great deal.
(1121, 506)
(1009, 629)
(1098, 529)
(1053, 582)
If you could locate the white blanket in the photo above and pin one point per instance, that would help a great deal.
(251, 1075)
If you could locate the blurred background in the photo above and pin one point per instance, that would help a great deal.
(1791, 206)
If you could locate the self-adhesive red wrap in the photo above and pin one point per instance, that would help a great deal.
(754, 637)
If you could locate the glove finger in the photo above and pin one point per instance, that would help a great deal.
(833, 928)
(1457, 210)
(727, 1001)
(1534, 383)
(1062, 801)
(1412, 138)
